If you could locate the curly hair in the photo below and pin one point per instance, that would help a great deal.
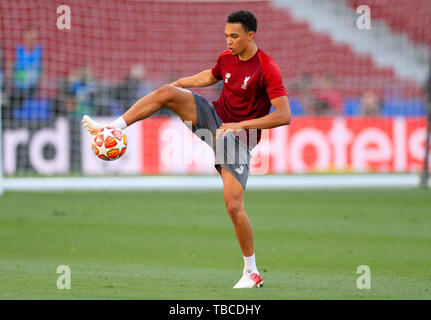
(246, 18)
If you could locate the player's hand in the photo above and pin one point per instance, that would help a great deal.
(230, 127)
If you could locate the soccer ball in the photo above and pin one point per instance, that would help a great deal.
(109, 143)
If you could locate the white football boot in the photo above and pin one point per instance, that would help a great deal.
(249, 280)
(90, 124)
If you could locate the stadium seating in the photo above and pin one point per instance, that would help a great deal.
(410, 17)
(186, 37)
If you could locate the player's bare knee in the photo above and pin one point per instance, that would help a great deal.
(235, 209)
(166, 93)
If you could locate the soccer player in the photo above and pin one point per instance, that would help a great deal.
(252, 82)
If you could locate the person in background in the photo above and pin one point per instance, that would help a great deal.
(76, 96)
(133, 86)
(303, 91)
(66, 100)
(82, 86)
(329, 100)
(27, 67)
(2, 76)
(4, 107)
(370, 104)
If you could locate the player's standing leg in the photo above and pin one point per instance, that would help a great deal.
(233, 193)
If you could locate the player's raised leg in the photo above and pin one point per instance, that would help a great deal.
(233, 193)
(179, 100)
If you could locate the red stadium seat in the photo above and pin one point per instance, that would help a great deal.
(410, 17)
(185, 37)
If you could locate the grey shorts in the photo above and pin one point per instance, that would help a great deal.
(230, 153)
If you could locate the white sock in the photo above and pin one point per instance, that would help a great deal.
(119, 123)
(250, 264)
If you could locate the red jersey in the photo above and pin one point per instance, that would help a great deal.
(248, 86)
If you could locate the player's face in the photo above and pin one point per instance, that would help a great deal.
(237, 38)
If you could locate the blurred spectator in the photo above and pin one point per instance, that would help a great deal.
(76, 97)
(2, 85)
(329, 100)
(370, 104)
(66, 95)
(27, 68)
(133, 87)
(5, 107)
(77, 92)
(84, 87)
(303, 91)
(2, 73)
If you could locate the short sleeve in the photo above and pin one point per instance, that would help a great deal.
(273, 80)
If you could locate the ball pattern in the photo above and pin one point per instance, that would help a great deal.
(109, 143)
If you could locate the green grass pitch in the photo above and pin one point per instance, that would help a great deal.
(181, 245)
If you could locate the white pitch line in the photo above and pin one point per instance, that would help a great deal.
(272, 182)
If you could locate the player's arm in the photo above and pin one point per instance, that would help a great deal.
(279, 117)
(202, 79)
(277, 93)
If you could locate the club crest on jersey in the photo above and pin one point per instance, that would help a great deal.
(226, 77)
(244, 85)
